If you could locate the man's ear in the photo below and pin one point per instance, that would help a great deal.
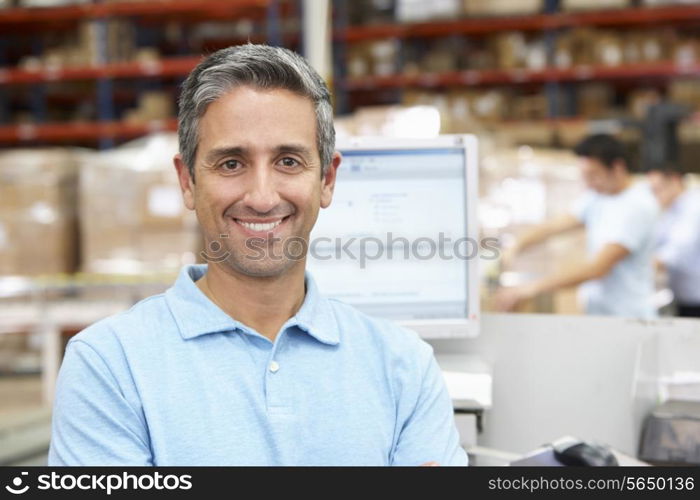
(186, 181)
(328, 181)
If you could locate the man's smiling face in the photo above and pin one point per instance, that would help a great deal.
(258, 178)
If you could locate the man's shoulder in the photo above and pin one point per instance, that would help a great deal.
(643, 198)
(356, 325)
(691, 201)
(136, 324)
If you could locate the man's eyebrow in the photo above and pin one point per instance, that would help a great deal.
(217, 153)
(223, 152)
(293, 148)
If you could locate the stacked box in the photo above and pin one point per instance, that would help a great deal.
(685, 92)
(80, 47)
(154, 105)
(376, 58)
(573, 5)
(501, 7)
(411, 11)
(594, 100)
(133, 220)
(575, 48)
(37, 212)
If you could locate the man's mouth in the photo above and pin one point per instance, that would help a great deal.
(260, 226)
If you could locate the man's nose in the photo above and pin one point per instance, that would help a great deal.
(261, 193)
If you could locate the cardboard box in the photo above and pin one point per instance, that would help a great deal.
(510, 49)
(149, 230)
(443, 55)
(529, 107)
(685, 92)
(576, 48)
(574, 5)
(501, 7)
(384, 54)
(608, 49)
(359, 61)
(152, 106)
(411, 11)
(686, 52)
(37, 211)
(594, 99)
(377, 58)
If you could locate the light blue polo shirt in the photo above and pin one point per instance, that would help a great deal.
(628, 219)
(176, 381)
(678, 246)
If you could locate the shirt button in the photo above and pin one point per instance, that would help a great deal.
(274, 366)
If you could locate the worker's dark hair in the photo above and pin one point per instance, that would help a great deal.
(604, 148)
(669, 170)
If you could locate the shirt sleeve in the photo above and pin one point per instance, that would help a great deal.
(579, 208)
(682, 240)
(631, 226)
(429, 434)
(93, 423)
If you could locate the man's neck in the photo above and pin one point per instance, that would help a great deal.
(624, 184)
(263, 304)
(678, 193)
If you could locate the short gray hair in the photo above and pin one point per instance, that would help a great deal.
(261, 67)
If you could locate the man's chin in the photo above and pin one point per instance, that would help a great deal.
(263, 269)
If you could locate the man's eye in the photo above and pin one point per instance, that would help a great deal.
(289, 162)
(230, 165)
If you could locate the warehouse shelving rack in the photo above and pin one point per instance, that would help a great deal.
(108, 128)
(524, 76)
(629, 17)
(550, 23)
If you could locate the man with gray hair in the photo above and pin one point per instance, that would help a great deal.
(242, 361)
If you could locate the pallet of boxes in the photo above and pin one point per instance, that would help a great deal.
(133, 220)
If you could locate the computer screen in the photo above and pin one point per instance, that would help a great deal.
(399, 239)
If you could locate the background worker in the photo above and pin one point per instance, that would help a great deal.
(677, 243)
(619, 218)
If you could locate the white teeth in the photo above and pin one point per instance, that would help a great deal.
(260, 227)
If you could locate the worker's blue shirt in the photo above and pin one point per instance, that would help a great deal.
(627, 219)
(176, 381)
(678, 246)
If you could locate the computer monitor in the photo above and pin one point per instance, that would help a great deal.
(400, 238)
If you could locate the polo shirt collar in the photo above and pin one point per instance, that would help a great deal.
(196, 315)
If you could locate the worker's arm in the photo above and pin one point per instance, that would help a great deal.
(598, 267)
(659, 266)
(540, 233)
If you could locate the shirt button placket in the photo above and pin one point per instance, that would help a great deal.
(275, 392)
(277, 381)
